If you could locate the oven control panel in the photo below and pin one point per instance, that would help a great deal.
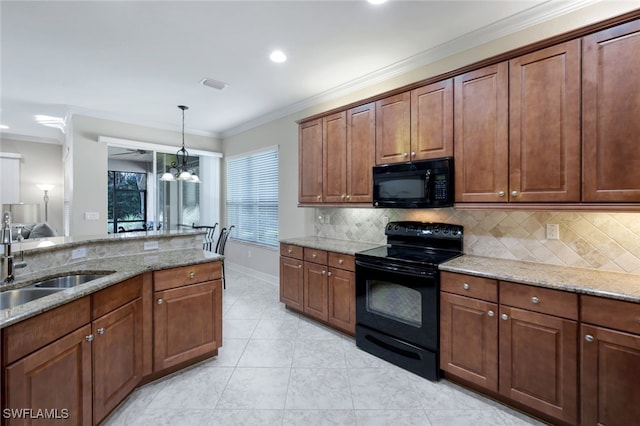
(425, 230)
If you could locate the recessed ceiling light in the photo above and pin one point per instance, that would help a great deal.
(3, 126)
(278, 56)
(377, 1)
(214, 84)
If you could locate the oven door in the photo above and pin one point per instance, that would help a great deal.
(399, 301)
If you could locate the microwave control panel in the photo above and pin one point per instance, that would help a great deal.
(440, 187)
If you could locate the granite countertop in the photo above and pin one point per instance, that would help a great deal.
(329, 244)
(614, 285)
(124, 267)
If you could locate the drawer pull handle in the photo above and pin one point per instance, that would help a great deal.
(589, 338)
(89, 338)
(192, 275)
(160, 302)
(535, 300)
(340, 261)
(465, 286)
(504, 317)
(101, 330)
(491, 313)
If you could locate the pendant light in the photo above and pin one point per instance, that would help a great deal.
(179, 170)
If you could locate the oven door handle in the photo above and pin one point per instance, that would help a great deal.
(398, 269)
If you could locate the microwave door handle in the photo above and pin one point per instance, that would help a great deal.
(427, 185)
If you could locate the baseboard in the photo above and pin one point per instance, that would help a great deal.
(271, 279)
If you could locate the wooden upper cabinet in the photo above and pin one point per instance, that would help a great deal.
(310, 162)
(432, 121)
(544, 125)
(481, 134)
(610, 114)
(361, 153)
(334, 154)
(393, 120)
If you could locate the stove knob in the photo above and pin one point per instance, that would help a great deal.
(436, 229)
(397, 227)
(445, 230)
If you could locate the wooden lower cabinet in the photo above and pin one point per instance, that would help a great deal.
(469, 339)
(320, 284)
(117, 357)
(342, 299)
(187, 323)
(56, 378)
(538, 362)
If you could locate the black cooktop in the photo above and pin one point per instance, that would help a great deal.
(420, 243)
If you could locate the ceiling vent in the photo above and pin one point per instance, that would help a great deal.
(214, 84)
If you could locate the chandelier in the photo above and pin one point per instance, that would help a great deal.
(179, 169)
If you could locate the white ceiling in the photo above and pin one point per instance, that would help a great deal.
(135, 61)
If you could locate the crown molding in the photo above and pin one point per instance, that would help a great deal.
(515, 23)
(29, 138)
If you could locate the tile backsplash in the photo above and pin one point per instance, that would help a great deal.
(606, 241)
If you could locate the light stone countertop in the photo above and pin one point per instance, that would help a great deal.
(329, 244)
(124, 267)
(614, 285)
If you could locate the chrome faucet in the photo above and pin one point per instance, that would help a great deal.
(8, 264)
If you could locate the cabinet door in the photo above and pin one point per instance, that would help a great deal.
(187, 323)
(361, 153)
(56, 377)
(610, 111)
(310, 162)
(610, 377)
(316, 302)
(538, 362)
(432, 121)
(334, 151)
(393, 131)
(291, 283)
(544, 125)
(342, 300)
(469, 339)
(481, 134)
(117, 357)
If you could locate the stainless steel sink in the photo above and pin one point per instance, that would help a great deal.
(68, 281)
(12, 298)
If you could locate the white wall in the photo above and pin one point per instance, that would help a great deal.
(40, 163)
(297, 221)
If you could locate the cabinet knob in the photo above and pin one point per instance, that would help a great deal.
(289, 251)
(192, 275)
(160, 302)
(344, 196)
(341, 261)
(465, 286)
(589, 338)
(324, 272)
(504, 317)
(299, 266)
(319, 197)
(329, 273)
(514, 193)
(348, 197)
(491, 313)
(314, 255)
(535, 300)
(101, 330)
(89, 338)
(413, 154)
(405, 154)
(501, 194)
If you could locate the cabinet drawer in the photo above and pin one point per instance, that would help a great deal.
(469, 285)
(115, 296)
(289, 250)
(611, 313)
(544, 300)
(342, 261)
(186, 275)
(26, 336)
(315, 256)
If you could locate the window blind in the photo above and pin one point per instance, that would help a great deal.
(252, 197)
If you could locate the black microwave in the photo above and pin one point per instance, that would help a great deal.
(420, 184)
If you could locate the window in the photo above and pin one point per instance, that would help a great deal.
(252, 197)
(127, 201)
